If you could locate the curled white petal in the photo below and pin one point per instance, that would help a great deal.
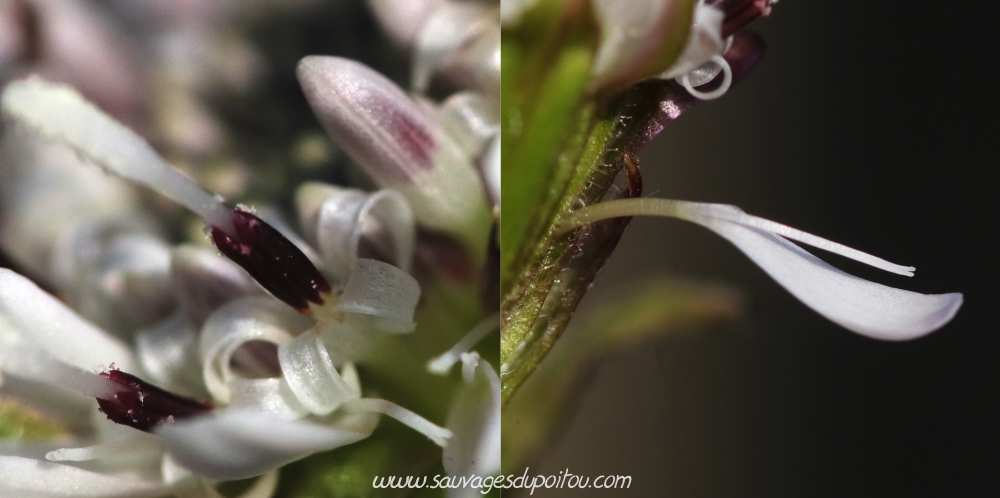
(60, 113)
(444, 362)
(311, 375)
(238, 444)
(704, 42)
(231, 326)
(474, 419)
(868, 308)
(382, 293)
(31, 314)
(727, 80)
(336, 219)
(25, 477)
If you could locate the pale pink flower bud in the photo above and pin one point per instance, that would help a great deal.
(398, 143)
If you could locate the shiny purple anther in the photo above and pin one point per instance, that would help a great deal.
(277, 264)
(142, 405)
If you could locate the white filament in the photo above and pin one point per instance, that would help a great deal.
(727, 81)
(435, 433)
(696, 211)
(61, 114)
(443, 363)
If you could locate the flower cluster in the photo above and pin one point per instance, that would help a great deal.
(209, 367)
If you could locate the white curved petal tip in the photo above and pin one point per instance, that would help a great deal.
(864, 307)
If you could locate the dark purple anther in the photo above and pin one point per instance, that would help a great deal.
(144, 406)
(272, 260)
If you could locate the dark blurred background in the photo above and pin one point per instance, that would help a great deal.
(869, 123)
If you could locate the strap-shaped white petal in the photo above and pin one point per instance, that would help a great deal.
(258, 318)
(868, 308)
(32, 315)
(25, 477)
(474, 421)
(858, 305)
(336, 219)
(311, 375)
(236, 444)
(383, 294)
(60, 113)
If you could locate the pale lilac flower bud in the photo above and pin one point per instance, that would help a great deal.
(398, 143)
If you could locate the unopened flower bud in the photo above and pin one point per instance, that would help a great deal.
(397, 142)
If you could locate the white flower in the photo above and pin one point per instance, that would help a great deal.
(316, 379)
(870, 309)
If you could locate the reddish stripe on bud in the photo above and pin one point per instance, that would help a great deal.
(272, 260)
(144, 406)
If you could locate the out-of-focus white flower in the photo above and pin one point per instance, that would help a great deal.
(870, 309)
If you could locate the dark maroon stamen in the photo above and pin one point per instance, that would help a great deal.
(272, 260)
(144, 406)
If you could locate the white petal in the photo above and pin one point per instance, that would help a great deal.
(237, 444)
(61, 114)
(864, 307)
(236, 323)
(474, 420)
(336, 219)
(33, 315)
(868, 308)
(310, 374)
(382, 293)
(27, 478)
